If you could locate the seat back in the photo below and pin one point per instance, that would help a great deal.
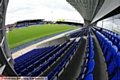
(111, 53)
(91, 66)
(118, 46)
(89, 77)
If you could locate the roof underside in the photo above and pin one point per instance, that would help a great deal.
(93, 10)
(87, 8)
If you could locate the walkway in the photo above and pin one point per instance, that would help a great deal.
(73, 70)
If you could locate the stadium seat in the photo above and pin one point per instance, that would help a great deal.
(105, 50)
(50, 61)
(50, 75)
(30, 68)
(57, 69)
(24, 72)
(36, 72)
(111, 68)
(89, 77)
(111, 53)
(115, 42)
(44, 66)
(116, 76)
(119, 46)
(36, 64)
(42, 60)
(117, 59)
(91, 55)
(91, 66)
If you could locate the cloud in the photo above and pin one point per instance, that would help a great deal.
(40, 9)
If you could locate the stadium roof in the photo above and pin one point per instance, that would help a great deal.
(93, 10)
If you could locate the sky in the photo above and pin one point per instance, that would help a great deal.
(40, 9)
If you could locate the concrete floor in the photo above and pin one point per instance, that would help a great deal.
(100, 70)
(73, 70)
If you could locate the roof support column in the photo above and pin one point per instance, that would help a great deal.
(87, 22)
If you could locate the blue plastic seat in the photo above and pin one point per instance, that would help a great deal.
(111, 68)
(50, 75)
(30, 68)
(115, 42)
(118, 37)
(91, 55)
(111, 53)
(118, 46)
(117, 59)
(109, 44)
(32, 61)
(36, 72)
(112, 39)
(27, 64)
(104, 43)
(44, 66)
(42, 60)
(29, 75)
(24, 72)
(62, 64)
(36, 64)
(116, 76)
(19, 69)
(57, 69)
(50, 61)
(91, 66)
(89, 77)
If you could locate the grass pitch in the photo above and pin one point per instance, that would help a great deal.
(23, 35)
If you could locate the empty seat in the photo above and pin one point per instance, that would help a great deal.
(106, 49)
(50, 61)
(116, 76)
(44, 66)
(36, 72)
(57, 69)
(42, 60)
(30, 68)
(111, 68)
(111, 53)
(91, 66)
(24, 72)
(89, 77)
(91, 55)
(115, 42)
(117, 59)
(19, 69)
(36, 64)
(50, 75)
(119, 46)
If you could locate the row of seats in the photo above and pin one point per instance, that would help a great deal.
(112, 36)
(89, 63)
(41, 62)
(58, 70)
(51, 61)
(29, 54)
(28, 61)
(111, 54)
(78, 33)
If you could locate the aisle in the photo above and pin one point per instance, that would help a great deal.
(100, 70)
(73, 70)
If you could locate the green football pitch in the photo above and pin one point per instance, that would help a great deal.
(23, 35)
